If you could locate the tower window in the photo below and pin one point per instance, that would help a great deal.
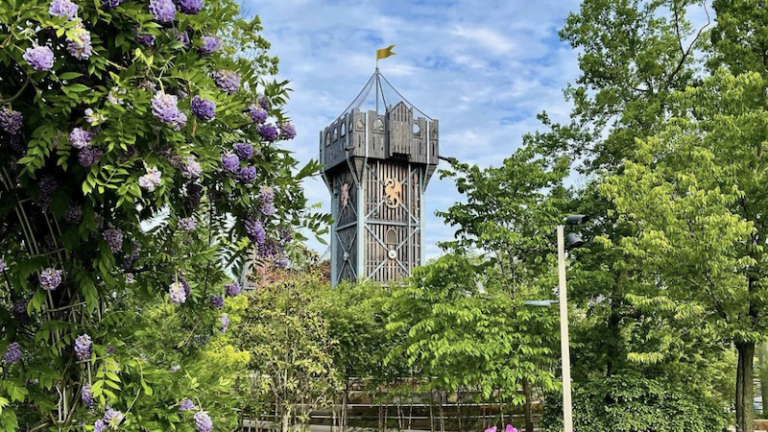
(391, 237)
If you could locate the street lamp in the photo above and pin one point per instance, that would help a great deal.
(574, 241)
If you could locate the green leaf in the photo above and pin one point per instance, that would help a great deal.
(69, 76)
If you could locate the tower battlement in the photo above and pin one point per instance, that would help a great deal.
(393, 135)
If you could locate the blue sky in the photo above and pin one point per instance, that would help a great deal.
(484, 68)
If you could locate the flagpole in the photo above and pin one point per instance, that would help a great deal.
(377, 86)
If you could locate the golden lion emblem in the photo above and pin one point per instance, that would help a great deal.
(393, 190)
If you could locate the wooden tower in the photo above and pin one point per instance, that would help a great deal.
(377, 167)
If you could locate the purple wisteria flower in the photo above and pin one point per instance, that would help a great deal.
(190, 7)
(20, 311)
(50, 279)
(165, 109)
(194, 195)
(74, 214)
(63, 8)
(131, 258)
(287, 131)
(10, 120)
(114, 238)
(87, 396)
(99, 426)
(83, 347)
(185, 285)
(286, 236)
(211, 44)
(183, 37)
(112, 96)
(111, 4)
(232, 289)
(227, 81)
(203, 422)
(163, 10)
(230, 162)
(267, 209)
(264, 103)
(145, 39)
(48, 185)
(267, 198)
(268, 132)
(217, 301)
(112, 418)
(186, 405)
(255, 231)
(203, 108)
(223, 323)
(258, 114)
(89, 156)
(12, 354)
(79, 46)
(81, 138)
(187, 224)
(176, 291)
(92, 117)
(244, 151)
(266, 194)
(39, 57)
(190, 169)
(2, 265)
(150, 180)
(248, 174)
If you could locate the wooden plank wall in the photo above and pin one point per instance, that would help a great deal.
(346, 216)
(392, 226)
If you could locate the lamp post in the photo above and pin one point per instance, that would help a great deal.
(574, 241)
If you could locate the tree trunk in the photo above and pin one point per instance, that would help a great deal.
(431, 411)
(286, 421)
(763, 356)
(458, 409)
(745, 390)
(528, 406)
(344, 404)
(442, 413)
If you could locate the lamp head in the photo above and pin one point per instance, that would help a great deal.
(576, 219)
(573, 240)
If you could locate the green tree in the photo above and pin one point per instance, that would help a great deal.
(634, 56)
(291, 351)
(510, 214)
(356, 322)
(696, 194)
(459, 337)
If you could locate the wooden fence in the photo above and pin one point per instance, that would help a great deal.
(387, 409)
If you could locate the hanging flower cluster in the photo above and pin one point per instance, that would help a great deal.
(83, 347)
(117, 114)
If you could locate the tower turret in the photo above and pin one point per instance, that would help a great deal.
(377, 167)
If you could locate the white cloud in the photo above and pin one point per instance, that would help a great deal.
(485, 37)
(483, 68)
